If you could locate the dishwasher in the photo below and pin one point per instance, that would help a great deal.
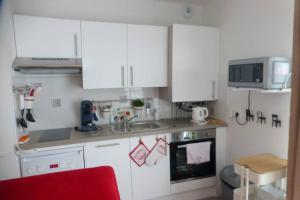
(49, 161)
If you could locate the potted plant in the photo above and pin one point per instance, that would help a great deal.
(137, 104)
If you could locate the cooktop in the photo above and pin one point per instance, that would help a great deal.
(55, 134)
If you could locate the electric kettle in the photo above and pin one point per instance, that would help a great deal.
(199, 114)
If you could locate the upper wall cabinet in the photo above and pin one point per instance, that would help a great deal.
(47, 37)
(121, 55)
(147, 55)
(195, 63)
(104, 55)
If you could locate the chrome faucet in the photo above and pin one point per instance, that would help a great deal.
(131, 118)
(126, 122)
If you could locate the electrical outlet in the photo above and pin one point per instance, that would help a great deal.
(56, 102)
(232, 112)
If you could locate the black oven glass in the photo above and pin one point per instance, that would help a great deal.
(178, 162)
(246, 73)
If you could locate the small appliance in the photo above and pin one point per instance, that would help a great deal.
(199, 114)
(263, 73)
(87, 117)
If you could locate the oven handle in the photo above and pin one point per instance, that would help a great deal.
(183, 146)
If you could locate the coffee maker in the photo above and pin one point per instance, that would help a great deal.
(88, 115)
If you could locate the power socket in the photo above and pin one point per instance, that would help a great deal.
(56, 102)
(232, 112)
(237, 114)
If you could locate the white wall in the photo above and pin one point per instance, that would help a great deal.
(254, 28)
(9, 166)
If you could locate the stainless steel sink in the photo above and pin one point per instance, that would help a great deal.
(138, 126)
(135, 127)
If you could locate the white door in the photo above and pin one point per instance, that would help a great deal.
(47, 37)
(149, 182)
(147, 56)
(195, 63)
(112, 153)
(104, 55)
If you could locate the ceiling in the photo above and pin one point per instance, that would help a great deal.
(198, 2)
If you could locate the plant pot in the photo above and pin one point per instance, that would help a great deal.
(138, 108)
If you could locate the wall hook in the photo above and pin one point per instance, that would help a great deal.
(260, 117)
(275, 121)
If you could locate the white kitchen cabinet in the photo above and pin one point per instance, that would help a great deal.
(149, 182)
(147, 55)
(195, 63)
(104, 55)
(47, 37)
(112, 153)
(120, 55)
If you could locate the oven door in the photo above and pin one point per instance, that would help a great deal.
(182, 171)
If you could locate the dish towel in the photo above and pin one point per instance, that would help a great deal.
(198, 152)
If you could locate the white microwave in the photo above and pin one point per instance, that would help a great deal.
(263, 73)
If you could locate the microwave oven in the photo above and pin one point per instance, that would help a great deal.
(263, 73)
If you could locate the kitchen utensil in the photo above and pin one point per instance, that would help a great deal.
(37, 91)
(21, 102)
(158, 151)
(139, 154)
(23, 139)
(28, 105)
(22, 121)
(105, 111)
(29, 116)
(199, 114)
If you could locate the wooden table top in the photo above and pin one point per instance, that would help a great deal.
(263, 163)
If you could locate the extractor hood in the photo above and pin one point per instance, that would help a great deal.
(48, 65)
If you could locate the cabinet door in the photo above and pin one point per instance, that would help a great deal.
(195, 63)
(149, 182)
(112, 153)
(104, 55)
(147, 56)
(47, 37)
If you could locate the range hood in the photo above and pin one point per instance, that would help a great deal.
(48, 65)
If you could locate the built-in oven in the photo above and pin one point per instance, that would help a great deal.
(192, 155)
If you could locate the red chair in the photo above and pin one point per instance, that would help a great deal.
(84, 184)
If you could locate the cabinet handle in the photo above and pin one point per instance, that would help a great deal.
(75, 45)
(213, 89)
(122, 76)
(131, 73)
(107, 145)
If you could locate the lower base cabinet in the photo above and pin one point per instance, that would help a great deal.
(145, 182)
(149, 182)
(112, 153)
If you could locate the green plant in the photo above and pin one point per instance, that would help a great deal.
(137, 103)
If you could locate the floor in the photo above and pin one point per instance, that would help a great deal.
(212, 199)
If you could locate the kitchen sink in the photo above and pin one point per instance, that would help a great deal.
(138, 126)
